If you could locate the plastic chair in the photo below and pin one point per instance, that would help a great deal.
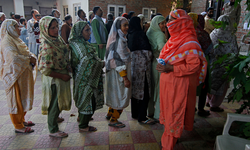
(228, 142)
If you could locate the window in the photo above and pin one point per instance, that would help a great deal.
(76, 7)
(65, 10)
(116, 10)
(1, 10)
(27, 12)
(147, 13)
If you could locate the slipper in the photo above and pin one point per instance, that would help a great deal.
(148, 122)
(107, 117)
(27, 130)
(59, 134)
(60, 119)
(28, 124)
(118, 125)
(91, 129)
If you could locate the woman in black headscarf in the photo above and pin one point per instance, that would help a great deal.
(141, 70)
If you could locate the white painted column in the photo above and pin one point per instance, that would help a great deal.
(18, 7)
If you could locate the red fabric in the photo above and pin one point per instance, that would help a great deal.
(183, 41)
(168, 142)
(125, 15)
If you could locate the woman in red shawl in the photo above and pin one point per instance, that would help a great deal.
(182, 65)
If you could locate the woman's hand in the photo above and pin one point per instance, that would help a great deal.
(126, 82)
(65, 77)
(167, 68)
(33, 60)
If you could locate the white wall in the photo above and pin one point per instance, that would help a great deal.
(70, 3)
(41, 3)
(7, 6)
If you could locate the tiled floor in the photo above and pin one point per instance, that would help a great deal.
(133, 137)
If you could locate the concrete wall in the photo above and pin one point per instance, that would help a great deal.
(7, 6)
(39, 3)
(70, 3)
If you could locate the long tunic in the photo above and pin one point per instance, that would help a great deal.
(178, 96)
(32, 38)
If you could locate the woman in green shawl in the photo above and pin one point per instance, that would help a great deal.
(54, 66)
(87, 75)
(157, 40)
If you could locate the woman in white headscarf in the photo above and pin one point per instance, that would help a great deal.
(220, 85)
(118, 72)
(16, 71)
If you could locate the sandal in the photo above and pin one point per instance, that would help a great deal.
(59, 134)
(148, 122)
(117, 124)
(60, 119)
(203, 113)
(28, 124)
(91, 129)
(27, 130)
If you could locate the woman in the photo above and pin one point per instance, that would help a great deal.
(54, 66)
(184, 63)
(157, 39)
(141, 70)
(66, 27)
(87, 75)
(220, 85)
(118, 72)
(16, 71)
(206, 45)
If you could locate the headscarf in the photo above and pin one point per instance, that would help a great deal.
(156, 37)
(137, 39)
(202, 36)
(194, 16)
(130, 14)
(125, 15)
(226, 35)
(183, 42)
(141, 16)
(117, 52)
(51, 47)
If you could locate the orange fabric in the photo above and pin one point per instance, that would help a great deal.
(178, 96)
(18, 119)
(123, 73)
(168, 142)
(115, 114)
(183, 42)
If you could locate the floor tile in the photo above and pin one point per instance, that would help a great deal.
(5, 141)
(96, 138)
(7, 129)
(122, 137)
(45, 141)
(216, 121)
(134, 125)
(122, 147)
(101, 147)
(158, 134)
(60, 125)
(73, 140)
(147, 146)
(71, 148)
(4, 118)
(102, 126)
(143, 137)
(126, 128)
(209, 134)
(38, 118)
(196, 145)
(23, 142)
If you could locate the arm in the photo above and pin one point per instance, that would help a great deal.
(95, 26)
(190, 66)
(64, 34)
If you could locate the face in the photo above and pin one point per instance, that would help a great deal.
(69, 21)
(83, 15)
(38, 18)
(18, 30)
(162, 25)
(2, 18)
(53, 30)
(18, 20)
(124, 27)
(86, 32)
(57, 14)
(92, 16)
(35, 13)
(210, 13)
(13, 16)
(99, 12)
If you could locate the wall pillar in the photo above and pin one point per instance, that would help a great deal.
(18, 7)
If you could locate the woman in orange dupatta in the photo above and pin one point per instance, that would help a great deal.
(182, 65)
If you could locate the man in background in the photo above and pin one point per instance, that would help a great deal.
(24, 33)
(208, 26)
(81, 15)
(2, 18)
(37, 33)
(110, 22)
(12, 15)
(17, 18)
(55, 13)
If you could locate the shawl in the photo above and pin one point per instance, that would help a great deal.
(54, 56)
(54, 53)
(137, 39)
(202, 36)
(15, 66)
(87, 71)
(194, 16)
(117, 53)
(183, 42)
(156, 37)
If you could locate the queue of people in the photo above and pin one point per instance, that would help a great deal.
(158, 70)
